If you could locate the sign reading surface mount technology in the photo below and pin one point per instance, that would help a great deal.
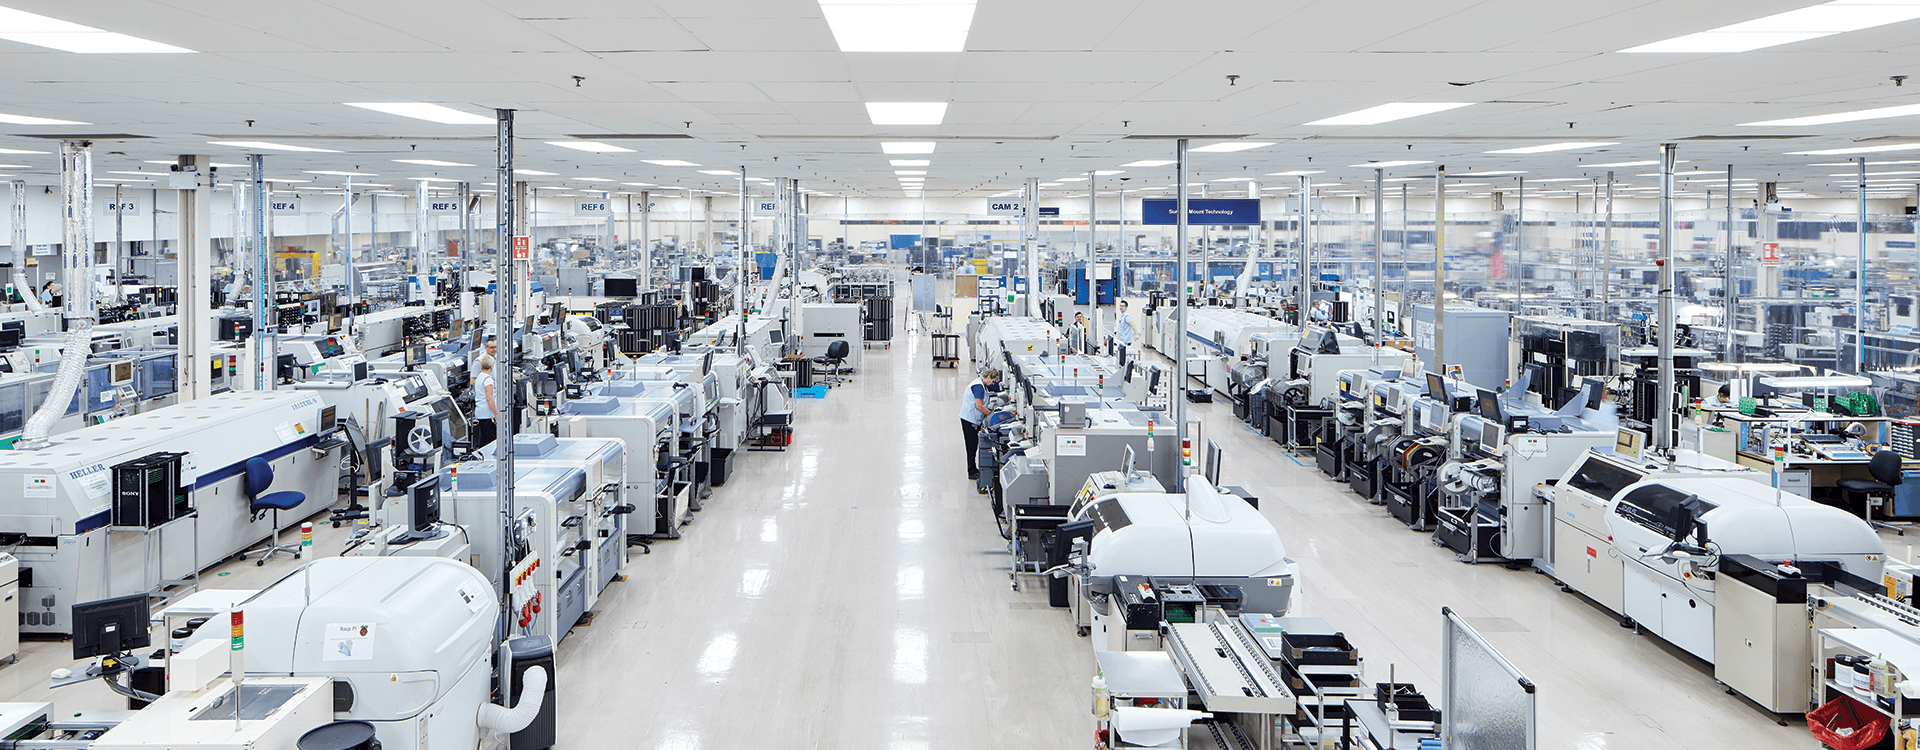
(1214, 211)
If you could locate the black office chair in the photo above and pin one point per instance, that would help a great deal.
(1885, 468)
(833, 367)
(259, 500)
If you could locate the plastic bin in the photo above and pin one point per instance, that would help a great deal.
(1846, 724)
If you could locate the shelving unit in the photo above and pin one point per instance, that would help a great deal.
(1902, 653)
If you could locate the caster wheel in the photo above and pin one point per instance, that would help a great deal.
(261, 561)
(296, 555)
(1082, 632)
(336, 524)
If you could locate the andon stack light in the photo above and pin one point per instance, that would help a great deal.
(1186, 452)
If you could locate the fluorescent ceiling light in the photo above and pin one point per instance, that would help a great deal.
(1105, 172)
(265, 146)
(1850, 164)
(171, 162)
(533, 173)
(1229, 147)
(593, 146)
(1550, 147)
(1149, 163)
(1647, 163)
(909, 171)
(906, 113)
(1297, 173)
(1490, 174)
(909, 162)
(339, 174)
(669, 163)
(1389, 112)
(1904, 110)
(1049, 184)
(899, 25)
(285, 179)
(25, 120)
(726, 172)
(1071, 179)
(637, 184)
(42, 31)
(18, 151)
(1857, 150)
(140, 174)
(590, 179)
(1825, 19)
(424, 111)
(1564, 179)
(906, 147)
(1388, 164)
(23, 166)
(432, 163)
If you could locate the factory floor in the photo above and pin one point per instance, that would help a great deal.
(852, 591)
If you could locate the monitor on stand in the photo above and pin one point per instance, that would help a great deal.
(1213, 463)
(423, 511)
(111, 626)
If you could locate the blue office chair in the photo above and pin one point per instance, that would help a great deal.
(259, 500)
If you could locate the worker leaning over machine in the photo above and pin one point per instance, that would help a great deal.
(974, 409)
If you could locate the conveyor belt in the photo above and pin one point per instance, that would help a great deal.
(1229, 673)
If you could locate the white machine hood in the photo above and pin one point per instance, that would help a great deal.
(1151, 534)
(1744, 518)
(427, 616)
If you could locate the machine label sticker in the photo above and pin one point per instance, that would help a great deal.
(285, 431)
(475, 598)
(352, 641)
(95, 480)
(304, 403)
(37, 485)
(1070, 445)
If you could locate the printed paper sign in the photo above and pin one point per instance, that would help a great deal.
(1070, 445)
(349, 641)
(38, 485)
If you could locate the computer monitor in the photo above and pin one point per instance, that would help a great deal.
(423, 510)
(1628, 443)
(776, 337)
(706, 364)
(1436, 387)
(121, 373)
(618, 287)
(10, 338)
(329, 420)
(1213, 463)
(111, 626)
(416, 354)
(1127, 459)
(1490, 407)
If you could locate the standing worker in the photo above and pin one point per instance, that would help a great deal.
(484, 408)
(974, 410)
(1123, 332)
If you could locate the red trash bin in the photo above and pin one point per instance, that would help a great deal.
(1846, 724)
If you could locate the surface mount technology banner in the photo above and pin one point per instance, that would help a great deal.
(1202, 211)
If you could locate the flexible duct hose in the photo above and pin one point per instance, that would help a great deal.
(533, 693)
(76, 172)
(20, 283)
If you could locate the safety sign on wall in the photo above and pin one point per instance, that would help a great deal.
(1769, 253)
(522, 247)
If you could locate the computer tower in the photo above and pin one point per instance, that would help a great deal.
(147, 491)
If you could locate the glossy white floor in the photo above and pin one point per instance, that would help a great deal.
(852, 592)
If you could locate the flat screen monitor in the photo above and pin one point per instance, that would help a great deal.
(122, 373)
(111, 626)
(776, 337)
(328, 419)
(1628, 443)
(1127, 459)
(1436, 387)
(423, 509)
(10, 338)
(1490, 407)
(618, 287)
(1213, 463)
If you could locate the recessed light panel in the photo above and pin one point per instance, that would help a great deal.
(53, 33)
(1390, 112)
(424, 111)
(1551, 147)
(907, 147)
(899, 25)
(1229, 147)
(907, 113)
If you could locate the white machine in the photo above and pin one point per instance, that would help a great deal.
(1203, 534)
(1004, 337)
(1583, 558)
(648, 427)
(1671, 534)
(827, 323)
(85, 541)
(404, 644)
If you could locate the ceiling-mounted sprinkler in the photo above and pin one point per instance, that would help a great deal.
(1233, 80)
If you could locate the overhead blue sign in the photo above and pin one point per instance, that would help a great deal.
(1049, 211)
(1202, 211)
(1906, 244)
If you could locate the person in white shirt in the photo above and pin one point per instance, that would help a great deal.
(973, 409)
(484, 407)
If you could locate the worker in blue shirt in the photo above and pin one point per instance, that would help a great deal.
(973, 409)
(1123, 333)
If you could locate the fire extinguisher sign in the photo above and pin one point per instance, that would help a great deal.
(1769, 253)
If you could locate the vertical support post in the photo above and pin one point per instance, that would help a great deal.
(606, 240)
(1860, 279)
(195, 275)
(743, 257)
(1093, 282)
(1516, 269)
(646, 241)
(1606, 265)
(422, 260)
(1030, 244)
(373, 226)
(1304, 289)
(1177, 395)
(1663, 411)
(1440, 270)
(505, 227)
(1731, 282)
(119, 243)
(466, 230)
(1379, 266)
(265, 351)
(353, 282)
